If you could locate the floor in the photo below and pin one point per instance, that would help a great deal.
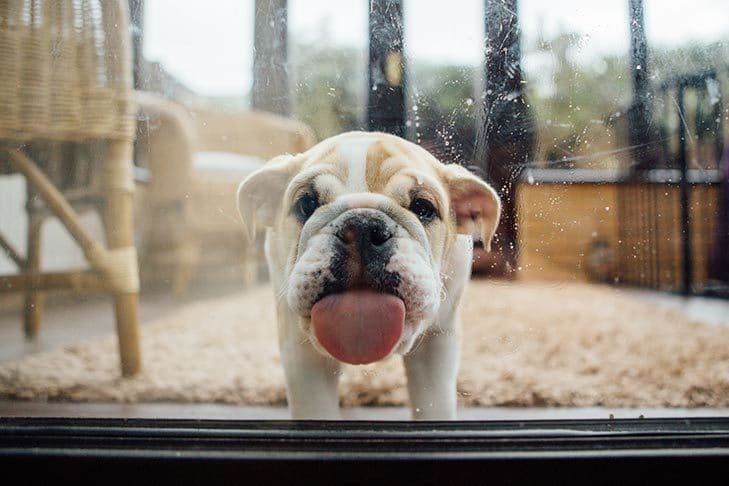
(72, 321)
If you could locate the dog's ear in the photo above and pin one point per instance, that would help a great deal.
(260, 194)
(475, 203)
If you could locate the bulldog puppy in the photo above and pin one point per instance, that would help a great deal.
(366, 261)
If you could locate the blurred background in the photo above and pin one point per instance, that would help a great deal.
(584, 114)
(602, 124)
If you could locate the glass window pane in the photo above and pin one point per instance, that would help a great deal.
(328, 53)
(173, 243)
(207, 50)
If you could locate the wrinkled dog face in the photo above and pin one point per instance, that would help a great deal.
(362, 211)
(369, 242)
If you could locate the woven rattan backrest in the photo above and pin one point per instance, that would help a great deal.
(65, 70)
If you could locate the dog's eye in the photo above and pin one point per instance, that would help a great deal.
(305, 207)
(424, 210)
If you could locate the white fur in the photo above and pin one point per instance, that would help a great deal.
(431, 293)
(355, 152)
(429, 343)
(432, 368)
(363, 200)
(311, 272)
(420, 289)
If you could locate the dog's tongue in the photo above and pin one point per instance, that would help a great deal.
(358, 326)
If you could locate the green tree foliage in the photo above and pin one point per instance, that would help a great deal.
(579, 104)
(444, 109)
(328, 86)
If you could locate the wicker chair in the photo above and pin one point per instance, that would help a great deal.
(67, 124)
(196, 201)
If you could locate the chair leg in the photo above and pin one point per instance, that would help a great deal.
(33, 311)
(118, 223)
(118, 186)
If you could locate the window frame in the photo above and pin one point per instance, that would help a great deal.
(190, 451)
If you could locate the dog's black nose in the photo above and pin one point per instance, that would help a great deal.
(366, 232)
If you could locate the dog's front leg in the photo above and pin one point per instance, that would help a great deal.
(432, 370)
(311, 379)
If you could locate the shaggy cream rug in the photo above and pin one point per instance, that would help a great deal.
(525, 344)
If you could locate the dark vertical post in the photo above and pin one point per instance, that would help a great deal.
(684, 191)
(136, 18)
(639, 113)
(386, 93)
(505, 138)
(136, 21)
(719, 258)
(270, 72)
